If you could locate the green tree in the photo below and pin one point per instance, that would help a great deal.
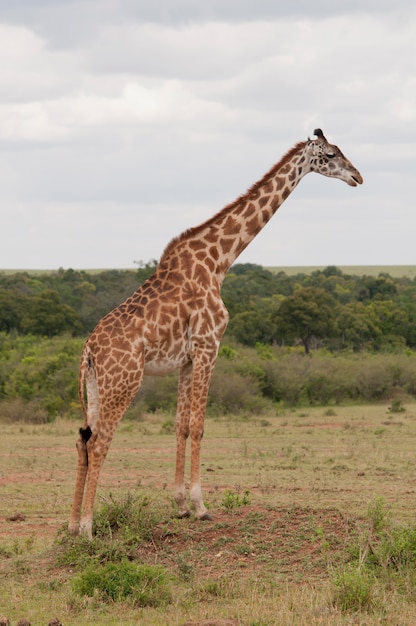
(252, 327)
(46, 315)
(309, 313)
(245, 284)
(145, 270)
(380, 288)
(358, 326)
(40, 371)
(12, 307)
(392, 320)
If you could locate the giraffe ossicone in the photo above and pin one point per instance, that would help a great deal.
(175, 321)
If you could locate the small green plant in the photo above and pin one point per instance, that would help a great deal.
(394, 551)
(186, 570)
(384, 554)
(264, 351)
(143, 585)
(119, 527)
(378, 516)
(353, 590)
(21, 546)
(227, 352)
(131, 517)
(265, 423)
(379, 431)
(168, 427)
(396, 406)
(232, 500)
(214, 588)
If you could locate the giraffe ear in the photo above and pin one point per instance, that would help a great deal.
(318, 132)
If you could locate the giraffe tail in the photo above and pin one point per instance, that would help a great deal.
(88, 393)
(81, 381)
(86, 374)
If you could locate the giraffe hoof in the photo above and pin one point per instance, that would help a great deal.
(183, 515)
(73, 529)
(206, 517)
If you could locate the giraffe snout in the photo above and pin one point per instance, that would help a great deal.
(356, 179)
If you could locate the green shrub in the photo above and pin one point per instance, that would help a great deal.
(143, 585)
(80, 552)
(41, 372)
(157, 394)
(233, 393)
(227, 352)
(353, 590)
(38, 379)
(232, 500)
(119, 527)
(320, 388)
(378, 516)
(396, 406)
(131, 517)
(16, 410)
(382, 554)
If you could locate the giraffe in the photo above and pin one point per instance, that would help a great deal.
(175, 321)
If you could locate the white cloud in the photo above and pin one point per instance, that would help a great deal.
(155, 114)
(29, 71)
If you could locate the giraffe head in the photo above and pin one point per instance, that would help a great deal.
(327, 159)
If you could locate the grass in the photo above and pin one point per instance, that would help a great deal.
(313, 512)
(396, 271)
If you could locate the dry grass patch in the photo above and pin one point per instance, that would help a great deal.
(289, 493)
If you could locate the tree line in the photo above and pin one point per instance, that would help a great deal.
(326, 308)
(359, 333)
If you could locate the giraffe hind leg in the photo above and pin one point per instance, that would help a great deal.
(91, 415)
(85, 435)
(82, 470)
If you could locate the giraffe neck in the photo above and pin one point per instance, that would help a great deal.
(220, 240)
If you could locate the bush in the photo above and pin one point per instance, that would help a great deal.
(119, 527)
(233, 393)
(353, 590)
(232, 500)
(320, 388)
(38, 379)
(143, 585)
(41, 372)
(383, 554)
(286, 377)
(16, 410)
(157, 393)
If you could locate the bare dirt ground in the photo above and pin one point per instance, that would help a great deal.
(295, 543)
(291, 542)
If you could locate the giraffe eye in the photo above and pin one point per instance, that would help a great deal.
(330, 155)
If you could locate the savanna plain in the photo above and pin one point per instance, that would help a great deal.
(314, 522)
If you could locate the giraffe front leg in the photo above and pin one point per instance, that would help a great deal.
(201, 511)
(182, 434)
(204, 355)
(194, 380)
(200, 384)
(180, 489)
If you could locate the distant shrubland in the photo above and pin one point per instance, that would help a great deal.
(319, 338)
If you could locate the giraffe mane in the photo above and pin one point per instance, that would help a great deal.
(252, 191)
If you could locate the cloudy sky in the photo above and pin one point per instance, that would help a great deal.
(124, 122)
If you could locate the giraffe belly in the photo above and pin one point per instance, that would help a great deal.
(158, 362)
(162, 367)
